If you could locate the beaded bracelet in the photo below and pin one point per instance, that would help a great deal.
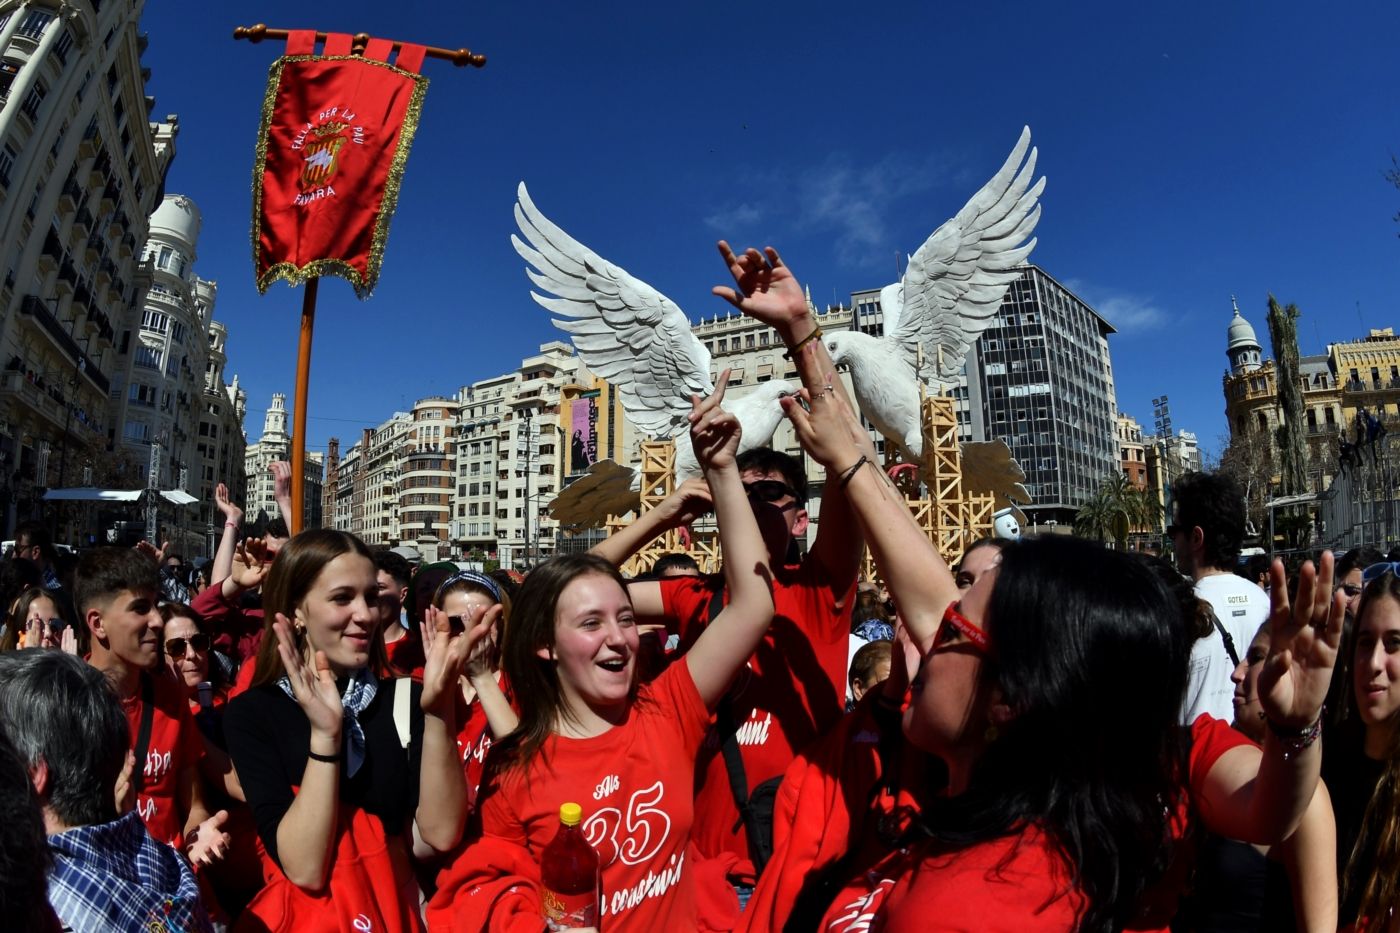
(1295, 740)
(816, 333)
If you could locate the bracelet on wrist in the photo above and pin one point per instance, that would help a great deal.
(848, 474)
(233, 525)
(329, 759)
(1296, 740)
(814, 335)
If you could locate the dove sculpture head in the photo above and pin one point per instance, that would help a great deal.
(839, 348)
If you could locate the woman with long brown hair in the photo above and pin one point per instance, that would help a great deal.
(589, 733)
(345, 773)
(1363, 764)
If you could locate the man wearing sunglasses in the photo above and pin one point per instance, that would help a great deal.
(1206, 534)
(794, 687)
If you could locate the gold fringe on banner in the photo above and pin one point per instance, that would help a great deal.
(297, 275)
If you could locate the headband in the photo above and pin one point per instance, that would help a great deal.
(470, 576)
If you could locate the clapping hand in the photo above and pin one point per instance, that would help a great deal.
(232, 513)
(714, 432)
(251, 562)
(209, 842)
(447, 654)
(314, 689)
(1305, 635)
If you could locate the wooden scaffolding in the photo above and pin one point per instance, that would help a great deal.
(950, 518)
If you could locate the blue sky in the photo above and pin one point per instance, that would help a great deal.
(1193, 151)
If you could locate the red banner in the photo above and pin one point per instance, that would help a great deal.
(336, 130)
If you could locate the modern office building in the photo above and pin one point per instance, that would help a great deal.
(1040, 378)
(82, 166)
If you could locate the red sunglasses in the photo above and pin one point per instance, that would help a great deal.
(954, 624)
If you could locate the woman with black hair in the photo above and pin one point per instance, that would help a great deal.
(1050, 690)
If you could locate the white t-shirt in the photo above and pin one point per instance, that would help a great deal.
(1241, 606)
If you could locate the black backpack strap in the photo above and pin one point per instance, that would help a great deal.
(143, 735)
(1225, 635)
(729, 729)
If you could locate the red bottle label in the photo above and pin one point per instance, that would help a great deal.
(563, 911)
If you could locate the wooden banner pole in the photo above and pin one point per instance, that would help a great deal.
(308, 321)
(458, 57)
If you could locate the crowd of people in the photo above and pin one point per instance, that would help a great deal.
(302, 733)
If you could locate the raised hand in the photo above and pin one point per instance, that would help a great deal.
(232, 513)
(827, 428)
(69, 641)
(124, 793)
(210, 842)
(446, 658)
(251, 562)
(1304, 637)
(689, 502)
(314, 689)
(156, 554)
(766, 289)
(281, 472)
(483, 661)
(714, 432)
(34, 633)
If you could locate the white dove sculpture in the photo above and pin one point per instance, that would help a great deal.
(641, 342)
(950, 292)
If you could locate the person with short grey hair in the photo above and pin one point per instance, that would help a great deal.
(65, 721)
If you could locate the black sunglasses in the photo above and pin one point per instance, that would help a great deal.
(769, 490)
(175, 647)
(56, 626)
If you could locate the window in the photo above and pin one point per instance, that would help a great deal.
(7, 164)
(142, 395)
(32, 100)
(63, 46)
(33, 23)
(156, 321)
(164, 260)
(8, 70)
(137, 431)
(149, 358)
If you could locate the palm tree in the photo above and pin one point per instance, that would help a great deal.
(1116, 510)
(1094, 518)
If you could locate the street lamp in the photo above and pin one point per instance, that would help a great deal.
(528, 415)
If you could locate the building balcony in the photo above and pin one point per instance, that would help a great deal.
(71, 198)
(32, 309)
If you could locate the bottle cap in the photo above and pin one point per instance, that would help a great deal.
(570, 814)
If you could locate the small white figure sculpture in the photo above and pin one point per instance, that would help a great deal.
(1005, 525)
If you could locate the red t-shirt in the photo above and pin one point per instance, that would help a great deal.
(405, 657)
(174, 745)
(635, 784)
(1016, 882)
(792, 691)
(474, 736)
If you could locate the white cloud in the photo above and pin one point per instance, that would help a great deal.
(740, 215)
(1130, 314)
(840, 198)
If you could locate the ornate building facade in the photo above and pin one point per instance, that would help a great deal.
(82, 165)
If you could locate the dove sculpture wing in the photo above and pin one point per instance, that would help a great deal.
(955, 282)
(623, 329)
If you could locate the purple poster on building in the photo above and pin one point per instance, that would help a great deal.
(583, 434)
